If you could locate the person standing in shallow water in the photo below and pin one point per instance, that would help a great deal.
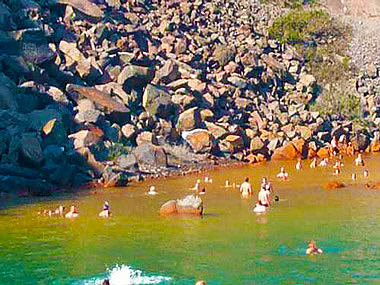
(72, 213)
(246, 188)
(106, 210)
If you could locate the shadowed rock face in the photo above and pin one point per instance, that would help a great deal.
(84, 6)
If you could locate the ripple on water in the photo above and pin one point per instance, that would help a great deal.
(125, 275)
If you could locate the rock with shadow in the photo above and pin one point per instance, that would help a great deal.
(190, 205)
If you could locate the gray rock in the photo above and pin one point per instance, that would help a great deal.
(127, 162)
(156, 101)
(151, 155)
(189, 120)
(30, 150)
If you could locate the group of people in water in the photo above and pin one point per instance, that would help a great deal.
(73, 212)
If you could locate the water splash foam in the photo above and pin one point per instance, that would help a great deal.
(126, 275)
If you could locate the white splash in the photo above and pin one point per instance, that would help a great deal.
(125, 275)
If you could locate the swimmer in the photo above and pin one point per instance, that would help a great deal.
(201, 192)
(313, 164)
(106, 282)
(299, 164)
(200, 282)
(106, 210)
(359, 160)
(350, 149)
(59, 210)
(337, 164)
(266, 185)
(366, 173)
(152, 191)
(227, 184)
(246, 188)
(72, 213)
(197, 185)
(353, 176)
(283, 174)
(312, 249)
(324, 162)
(263, 201)
(208, 179)
(337, 171)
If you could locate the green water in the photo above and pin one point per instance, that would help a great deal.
(229, 245)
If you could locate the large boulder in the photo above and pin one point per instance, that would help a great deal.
(84, 138)
(189, 120)
(233, 143)
(101, 98)
(286, 152)
(151, 155)
(199, 140)
(135, 75)
(30, 150)
(257, 144)
(156, 101)
(217, 131)
(191, 205)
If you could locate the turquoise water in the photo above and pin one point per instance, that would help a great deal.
(228, 245)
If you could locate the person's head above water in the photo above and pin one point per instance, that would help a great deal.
(264, 180)
(106, 206)
(246, 179)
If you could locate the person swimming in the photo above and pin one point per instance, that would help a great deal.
(324, 162)
(283, 174)
(227, 184)
(152, 191)
(313, 164)
(106, 210)
(72, 213)
(208, 179)
(299, 164)
(312, 249)
(359, 160)
(59, 210)
(337, 171)
(366, 173)
(201, 191)
(197, 185)
(246, 188)
(200, 282)
(353, 176)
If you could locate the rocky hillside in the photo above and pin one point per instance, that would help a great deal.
(109, 89)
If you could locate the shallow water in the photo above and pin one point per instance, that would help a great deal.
(229, 245)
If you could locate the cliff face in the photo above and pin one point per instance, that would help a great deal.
(109, 89)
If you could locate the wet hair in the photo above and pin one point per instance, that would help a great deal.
(246, 179)
(106, 282)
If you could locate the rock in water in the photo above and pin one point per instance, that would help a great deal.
(192, 205)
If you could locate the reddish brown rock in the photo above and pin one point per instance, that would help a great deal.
(199, 140)
(334, 185)
(98, 97)
(323, 152)
(286, 152)
(375, 146)
(190, 205)
(168, 208)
